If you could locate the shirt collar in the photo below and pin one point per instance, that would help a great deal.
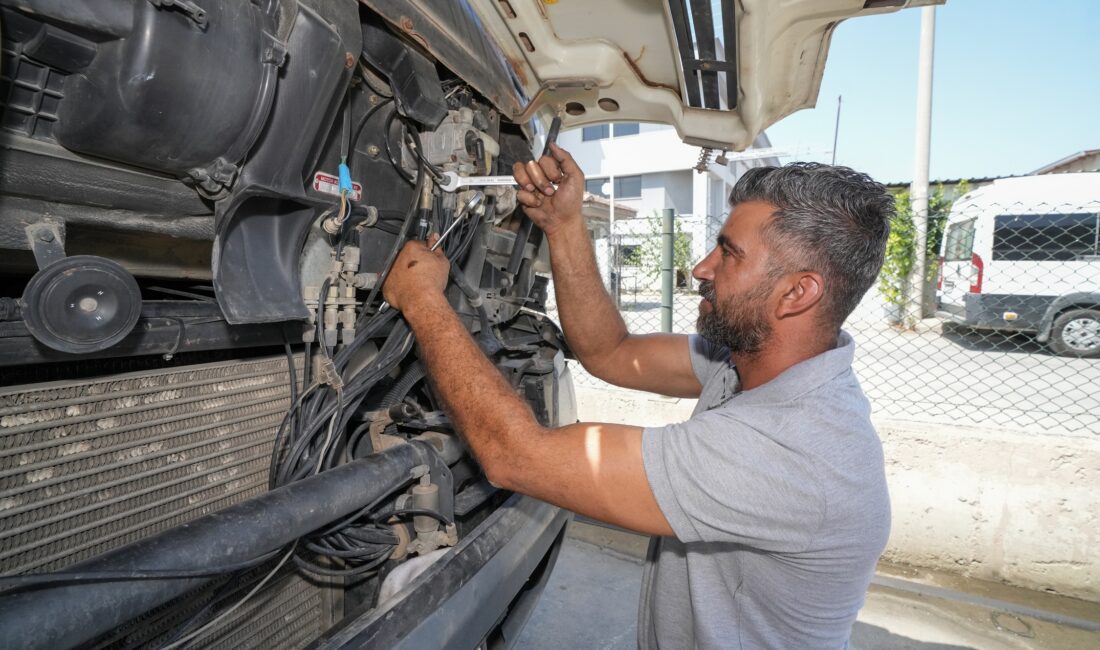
(805, 376)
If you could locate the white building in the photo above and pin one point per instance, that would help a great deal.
(646, 168)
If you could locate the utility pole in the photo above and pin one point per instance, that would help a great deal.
(836, 129)
(918, 191)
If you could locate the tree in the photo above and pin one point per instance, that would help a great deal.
(893, 281)
(647, 256)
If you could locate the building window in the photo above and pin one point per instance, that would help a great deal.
(626, 128)
(598, 132)
(595, 186)
(626, 187)
(603, 131)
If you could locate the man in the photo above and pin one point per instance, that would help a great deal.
(769, 506)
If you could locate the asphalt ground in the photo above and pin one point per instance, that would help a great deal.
(591, 601)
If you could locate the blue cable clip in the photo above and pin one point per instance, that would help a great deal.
(345, 179)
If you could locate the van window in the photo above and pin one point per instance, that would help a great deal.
(959, 240)
(1044, 237)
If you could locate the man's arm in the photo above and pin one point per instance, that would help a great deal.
(595, 330)
(593, 469)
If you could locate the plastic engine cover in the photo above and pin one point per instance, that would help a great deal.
(176, 96)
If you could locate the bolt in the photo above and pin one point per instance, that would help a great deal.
(372, 99)
(349, 60)
(373, 151)
(45, 235)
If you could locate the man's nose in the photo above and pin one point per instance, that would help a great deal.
(704, 270)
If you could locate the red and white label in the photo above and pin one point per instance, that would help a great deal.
(330, 184)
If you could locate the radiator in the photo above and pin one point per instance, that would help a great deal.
(90, 465)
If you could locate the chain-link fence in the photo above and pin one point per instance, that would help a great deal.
(1006, 334)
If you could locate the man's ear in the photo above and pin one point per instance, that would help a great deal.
(801, 291)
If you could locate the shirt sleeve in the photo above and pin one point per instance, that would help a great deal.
(716, 479)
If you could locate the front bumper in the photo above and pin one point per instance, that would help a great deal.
(490, 580)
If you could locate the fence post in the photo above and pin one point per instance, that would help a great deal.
(666, 269)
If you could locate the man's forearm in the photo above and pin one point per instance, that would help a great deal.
(482, 405)
(591, 323)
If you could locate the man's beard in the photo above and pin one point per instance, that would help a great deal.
(739, 322)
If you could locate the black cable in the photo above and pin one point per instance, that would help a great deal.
(345, 140)
(30, 580)
(348, 554)
(314, 433)
(400, 388)
(399, 241)
(469, 232)
(357, 436)
(295, 455)
(413, 512)
(291, 368)
(316, 569)
(319, 318)
(418, 149)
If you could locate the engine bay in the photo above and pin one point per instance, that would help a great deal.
(199, 204)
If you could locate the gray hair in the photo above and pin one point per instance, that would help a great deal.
(828, 219)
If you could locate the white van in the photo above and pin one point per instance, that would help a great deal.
(1022, 254)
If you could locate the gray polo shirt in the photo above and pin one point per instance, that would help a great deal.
(778, 499)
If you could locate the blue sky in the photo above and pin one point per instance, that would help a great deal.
(1016, 86)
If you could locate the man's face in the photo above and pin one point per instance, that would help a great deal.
(736, 280)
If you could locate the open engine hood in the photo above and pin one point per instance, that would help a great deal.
(625, 60)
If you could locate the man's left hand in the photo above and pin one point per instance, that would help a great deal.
(416, 272)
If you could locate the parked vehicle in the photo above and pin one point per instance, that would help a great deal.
(212, 431)
(1022, 255)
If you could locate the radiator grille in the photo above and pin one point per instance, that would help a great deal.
(282, 615)
(88, 466)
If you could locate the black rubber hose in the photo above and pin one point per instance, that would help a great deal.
(522, 236)
(71, 615)
(403, 385)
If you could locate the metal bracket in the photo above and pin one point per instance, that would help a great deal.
(441, 476)
(196, 13)
(47, 241)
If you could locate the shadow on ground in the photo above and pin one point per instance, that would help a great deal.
(871, 636)
(994, 341)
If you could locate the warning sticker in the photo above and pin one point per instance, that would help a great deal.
(330, 184)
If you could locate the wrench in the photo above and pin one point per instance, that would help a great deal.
(452, 182)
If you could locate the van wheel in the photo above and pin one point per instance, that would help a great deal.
(1076, 333)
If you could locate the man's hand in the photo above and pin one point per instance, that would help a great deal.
(416, 272)
(549, 207)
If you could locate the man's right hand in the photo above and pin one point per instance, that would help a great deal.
(548, 206)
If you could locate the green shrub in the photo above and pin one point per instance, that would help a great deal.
(893, 281)
(647, 256)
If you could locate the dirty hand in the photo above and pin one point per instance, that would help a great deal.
(416, 272)
(549, 207)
